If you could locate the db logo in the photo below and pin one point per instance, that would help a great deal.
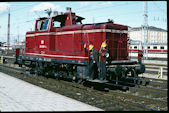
(42, 41)
(42, 46)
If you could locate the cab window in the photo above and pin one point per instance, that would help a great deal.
(42, 25)
(57, 24)
(59, 20)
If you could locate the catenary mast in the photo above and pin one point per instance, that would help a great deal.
(145, 29)
(8, 37)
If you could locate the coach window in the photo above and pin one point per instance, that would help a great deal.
(155, 47)
(162, 47)
(135, 47)
(148, 47)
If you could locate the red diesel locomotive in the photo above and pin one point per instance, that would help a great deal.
(60, 44)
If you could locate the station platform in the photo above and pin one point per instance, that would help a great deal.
(18, 95)
(155, 62)
(154, 76)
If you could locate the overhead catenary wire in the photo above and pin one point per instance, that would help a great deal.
(94, 9)
(159, 7)
(80, 9)
(34, 4)
(100, 16)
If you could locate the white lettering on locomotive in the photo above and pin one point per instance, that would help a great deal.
(42, 46)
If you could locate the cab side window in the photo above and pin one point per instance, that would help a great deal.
(42, 25)
(58, 24)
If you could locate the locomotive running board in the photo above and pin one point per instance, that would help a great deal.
(134, 65)
(125, 62)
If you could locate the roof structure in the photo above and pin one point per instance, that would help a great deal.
(152, 28)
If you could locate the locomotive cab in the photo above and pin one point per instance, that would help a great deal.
(66, 19)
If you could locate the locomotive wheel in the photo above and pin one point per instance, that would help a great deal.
(124, 74)
(38, 72)
(20, 65)
(133, 74)
(32, 71)
(47, 74)
(74, 79)
(109, 77)
(139, 82)
(56, 75)
(117, 79)
(79, 81)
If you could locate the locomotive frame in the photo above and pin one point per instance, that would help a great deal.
(60, 43)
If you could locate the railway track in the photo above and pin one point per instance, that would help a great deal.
(140, 97)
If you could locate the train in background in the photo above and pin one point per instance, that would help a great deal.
(60, 44)
(156, 51)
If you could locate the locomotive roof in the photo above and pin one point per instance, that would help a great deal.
(42, 18)
(79, 18)
(62, 18)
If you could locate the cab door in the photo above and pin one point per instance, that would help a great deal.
(42, 35)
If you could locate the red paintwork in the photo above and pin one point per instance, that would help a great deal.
(140, 55)
(68, 44)
(17, 51)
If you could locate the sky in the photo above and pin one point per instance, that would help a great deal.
(130, 13)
